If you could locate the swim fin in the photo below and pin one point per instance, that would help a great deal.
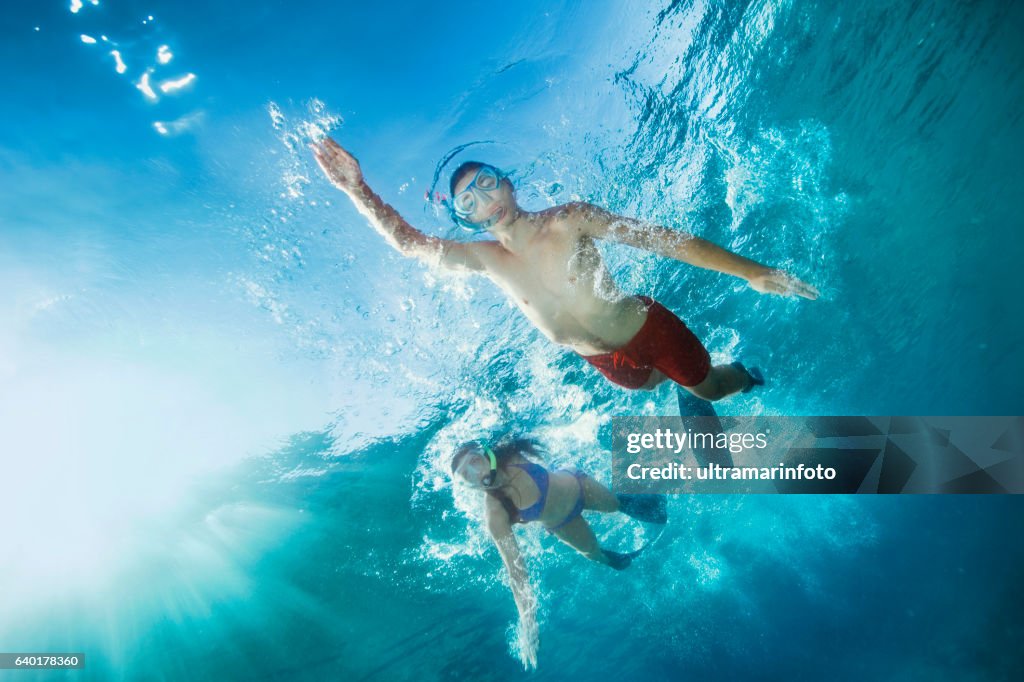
(622, 560)
(618, 560)
(646, 508)
(692, 406)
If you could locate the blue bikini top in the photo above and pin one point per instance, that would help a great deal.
(540, 476)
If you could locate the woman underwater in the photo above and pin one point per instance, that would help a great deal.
(520, 490)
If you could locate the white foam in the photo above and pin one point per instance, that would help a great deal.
(77, 5)
(176, 84)
(144, 86)
(179, 125)
(119, 65)
(276, 117)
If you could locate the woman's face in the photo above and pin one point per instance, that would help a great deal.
(471, 471)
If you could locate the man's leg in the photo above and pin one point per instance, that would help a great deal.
(653, 381)
(721, 381)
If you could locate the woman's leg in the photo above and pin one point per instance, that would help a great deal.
(578, 535)
(596, 496)
(646, 508)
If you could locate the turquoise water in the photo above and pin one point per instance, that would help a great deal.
(224, 402)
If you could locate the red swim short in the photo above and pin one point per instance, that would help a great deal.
(663, 343)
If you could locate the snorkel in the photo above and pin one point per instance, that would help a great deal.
(489, 479)
(486, 180)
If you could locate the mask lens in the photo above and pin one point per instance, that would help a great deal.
(487, 179)
(475, 472)
(465, 203)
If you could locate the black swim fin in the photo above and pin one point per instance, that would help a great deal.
(646, 508)
(618, 560)
(692, 406)
(622, 560)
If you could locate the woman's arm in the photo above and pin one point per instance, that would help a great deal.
(500, 528)
(342, 169)
(594, 221)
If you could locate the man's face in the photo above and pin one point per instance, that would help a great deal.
(483, 197)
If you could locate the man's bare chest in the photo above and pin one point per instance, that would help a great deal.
(552, 268)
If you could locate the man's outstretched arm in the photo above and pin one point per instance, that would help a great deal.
(342, 169)
(596, 222)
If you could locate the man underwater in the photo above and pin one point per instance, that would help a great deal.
(547, 263)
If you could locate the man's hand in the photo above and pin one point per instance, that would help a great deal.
(782, 283)
(340, 167)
